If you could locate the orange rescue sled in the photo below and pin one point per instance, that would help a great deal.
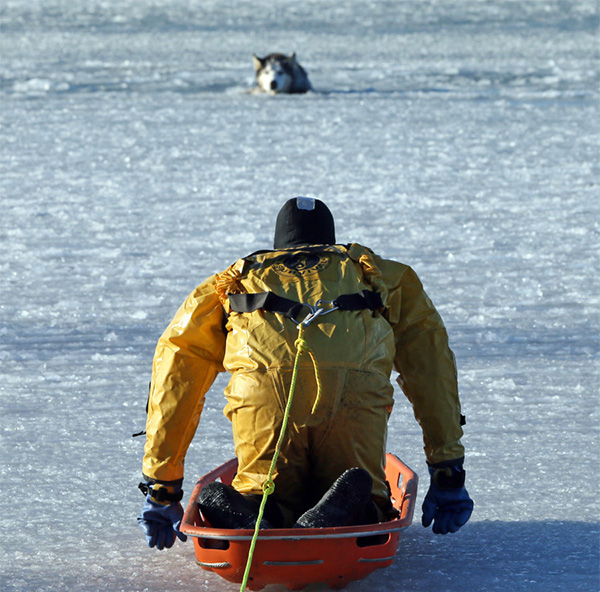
(298, 557)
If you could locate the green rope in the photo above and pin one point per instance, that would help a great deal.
(269, 485)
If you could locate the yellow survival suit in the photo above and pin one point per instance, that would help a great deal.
(355, 349)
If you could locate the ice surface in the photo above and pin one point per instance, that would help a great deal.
(460, 137)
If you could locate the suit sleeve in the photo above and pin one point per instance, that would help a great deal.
(188, 357)
(426, 365)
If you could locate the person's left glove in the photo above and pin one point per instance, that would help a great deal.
(447, 503)
(161, 515)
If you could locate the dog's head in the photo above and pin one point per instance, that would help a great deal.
(274, 73)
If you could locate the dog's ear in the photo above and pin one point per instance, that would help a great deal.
(258, 62)
(293, 58)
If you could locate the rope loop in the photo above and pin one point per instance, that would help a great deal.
(301, 344)
(268, 487)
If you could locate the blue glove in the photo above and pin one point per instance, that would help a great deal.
(447, 502)
(160, 522)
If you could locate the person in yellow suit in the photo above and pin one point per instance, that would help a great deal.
(362, 316)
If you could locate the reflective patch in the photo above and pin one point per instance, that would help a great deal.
(302, 264)
(305, 203)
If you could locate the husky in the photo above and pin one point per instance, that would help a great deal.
(280, 74)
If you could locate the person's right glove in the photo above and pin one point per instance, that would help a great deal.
(161, 515)
(447, 503)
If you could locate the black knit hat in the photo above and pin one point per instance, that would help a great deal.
(304, 221)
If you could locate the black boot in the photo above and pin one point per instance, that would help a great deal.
(347, 503)
(225, 507)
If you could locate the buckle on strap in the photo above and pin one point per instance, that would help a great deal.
(160, 495)
(318, 310)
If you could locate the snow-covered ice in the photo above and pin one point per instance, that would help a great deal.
(460, 137)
